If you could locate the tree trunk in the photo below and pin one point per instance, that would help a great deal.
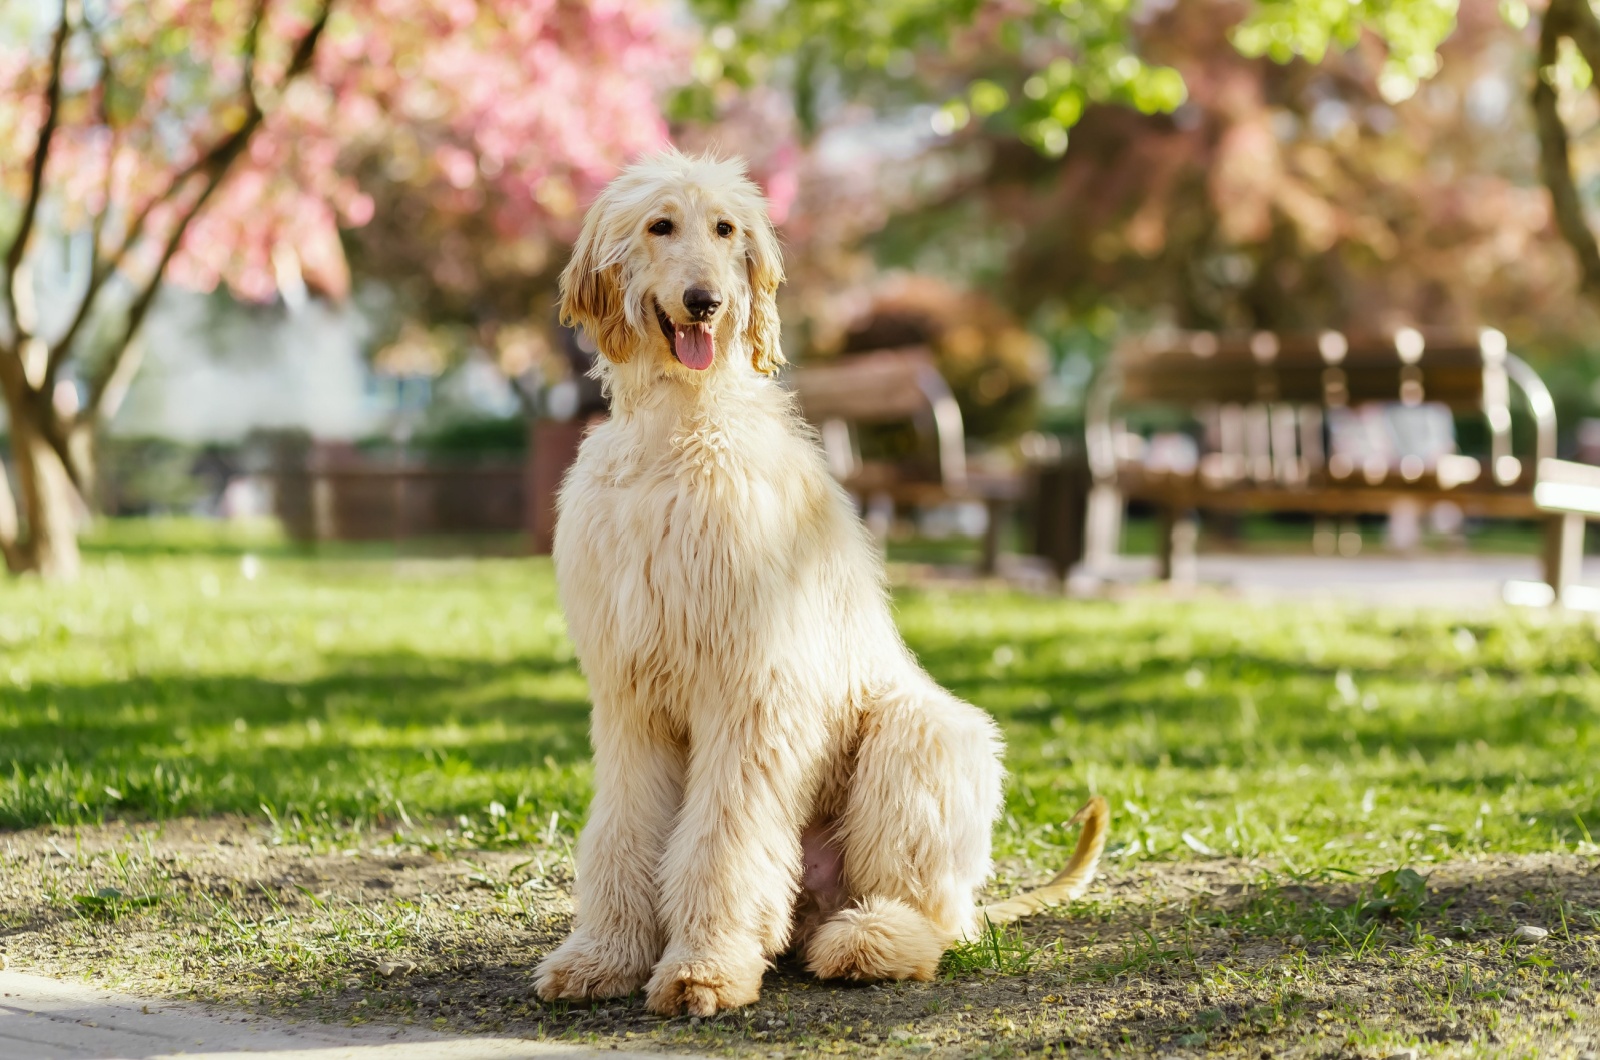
(48, 543)
(1576, 22)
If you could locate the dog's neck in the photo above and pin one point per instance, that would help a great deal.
(644, 386)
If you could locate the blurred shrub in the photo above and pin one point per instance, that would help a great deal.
(475, 438)
(461, 439)
(149, 476)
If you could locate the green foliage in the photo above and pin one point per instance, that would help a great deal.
(1087, 49)
(1400, 893)
(142, 475)
(1411, 29)
(475, 438)
(1047, 64)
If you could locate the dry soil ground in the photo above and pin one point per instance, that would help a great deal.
(1212, 958)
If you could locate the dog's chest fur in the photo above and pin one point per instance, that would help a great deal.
(678, 533)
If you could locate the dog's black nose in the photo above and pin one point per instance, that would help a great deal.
(700, 302)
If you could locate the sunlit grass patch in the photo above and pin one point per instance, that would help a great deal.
(362, 693)
(999, 949)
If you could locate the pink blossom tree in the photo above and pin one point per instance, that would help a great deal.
(219, 142)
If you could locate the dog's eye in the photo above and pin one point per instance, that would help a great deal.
(724, 229)
(662, 227)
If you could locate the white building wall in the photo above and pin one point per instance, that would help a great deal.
(215, 371)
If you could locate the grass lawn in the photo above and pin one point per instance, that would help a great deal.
(235, 772)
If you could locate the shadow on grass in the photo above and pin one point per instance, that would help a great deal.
(354, 742)
(446, 735)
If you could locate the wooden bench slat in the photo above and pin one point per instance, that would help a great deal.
(1452, 373)
(1438, 345)
(874, 388)
(1329, 499)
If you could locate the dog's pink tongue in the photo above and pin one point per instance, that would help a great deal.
(694, 346)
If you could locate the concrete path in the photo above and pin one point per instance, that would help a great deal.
(1473, 581)
(42, 1019)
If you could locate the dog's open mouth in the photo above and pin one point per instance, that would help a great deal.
(692, 344)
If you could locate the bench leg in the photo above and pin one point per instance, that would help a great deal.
(878, 514)
(1175, 546)
(992, 531)
(1563, 551)
(1325, 537)
(1057, 505)
(1102, 529)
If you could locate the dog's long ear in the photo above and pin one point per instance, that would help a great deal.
(591, 293)
(764, 266)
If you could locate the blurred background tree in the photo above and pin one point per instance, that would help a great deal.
(1088, 165)
(1216, 164)
(207, 143)
(1279, 196)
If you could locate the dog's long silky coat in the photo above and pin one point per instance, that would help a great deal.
(773, 769)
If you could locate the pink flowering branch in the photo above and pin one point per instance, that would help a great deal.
(199, 144)
(41, 155)
(211, 169)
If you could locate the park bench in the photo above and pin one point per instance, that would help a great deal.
(896, 386)
(1314, 424)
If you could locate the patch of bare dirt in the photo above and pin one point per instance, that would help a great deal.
(1215, 958)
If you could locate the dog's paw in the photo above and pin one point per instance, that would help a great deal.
(581, 970)
(701, 987)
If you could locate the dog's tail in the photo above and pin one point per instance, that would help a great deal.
(1071, 882)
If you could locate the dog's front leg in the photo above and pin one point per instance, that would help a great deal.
(730, 871)
(616, 936)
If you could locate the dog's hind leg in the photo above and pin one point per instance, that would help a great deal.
(616, 937)
(915, 837)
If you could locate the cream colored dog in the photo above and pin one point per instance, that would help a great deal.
(772, 766)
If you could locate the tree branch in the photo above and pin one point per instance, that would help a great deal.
(108, 82)
(213, 168)
(220, 155)
(1578, 24)
(41, 155)
(1575, 21)
(98, 272)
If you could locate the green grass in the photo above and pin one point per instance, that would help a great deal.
(362, 693)
(1299, 792)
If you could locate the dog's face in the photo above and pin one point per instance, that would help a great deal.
(677, 263)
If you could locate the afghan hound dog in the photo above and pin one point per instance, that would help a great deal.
(773, 769)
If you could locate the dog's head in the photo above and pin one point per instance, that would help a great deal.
(678, 263)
